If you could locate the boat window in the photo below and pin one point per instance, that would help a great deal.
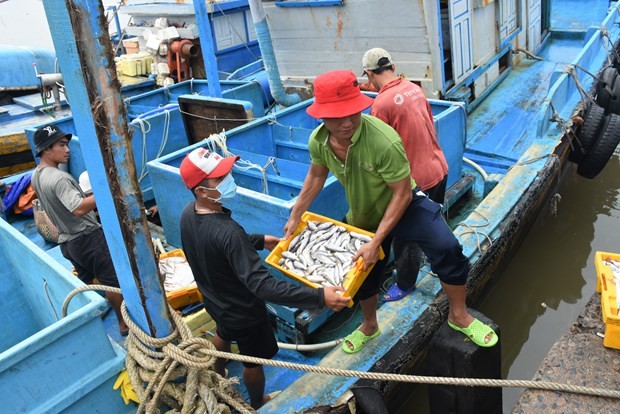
(308, 3)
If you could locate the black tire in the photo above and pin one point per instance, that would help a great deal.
(592, 123)
(608, 78)
(614, 102)
(594, 162)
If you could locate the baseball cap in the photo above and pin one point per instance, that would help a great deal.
(376, 58)
(336, 95)
(46, 136)
(202, 163)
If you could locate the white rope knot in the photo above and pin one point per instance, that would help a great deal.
(181, 356)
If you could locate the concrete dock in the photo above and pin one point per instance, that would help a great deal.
(577, 358)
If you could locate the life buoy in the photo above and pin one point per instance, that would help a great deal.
(604, 88)
(592, 122)
(602, 150)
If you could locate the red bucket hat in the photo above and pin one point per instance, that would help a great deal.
(201, 164)
(336, 95)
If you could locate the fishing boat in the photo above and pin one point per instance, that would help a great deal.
(31, 85)
(507, 117)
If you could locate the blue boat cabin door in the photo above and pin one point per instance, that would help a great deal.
(534, 27)
(460, 40)
(507, 18)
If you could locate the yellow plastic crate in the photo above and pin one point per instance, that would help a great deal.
(354, 278)
(606, 285)
(184, 296)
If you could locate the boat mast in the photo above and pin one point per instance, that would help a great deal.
(80, 35)
(208, 50)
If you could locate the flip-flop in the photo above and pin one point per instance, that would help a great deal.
(358, 340)
(396, 293)
(477, 332)
(270, 397)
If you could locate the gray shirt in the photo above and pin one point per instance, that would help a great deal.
(60, 194)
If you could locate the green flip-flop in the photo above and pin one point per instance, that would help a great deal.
(477, 332)
(358, 340)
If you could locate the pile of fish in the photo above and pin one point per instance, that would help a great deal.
(615, 270)
(322, 252)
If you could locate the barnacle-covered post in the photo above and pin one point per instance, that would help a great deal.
(80, 34)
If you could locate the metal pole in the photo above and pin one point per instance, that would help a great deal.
(80, 34)
(208, 48)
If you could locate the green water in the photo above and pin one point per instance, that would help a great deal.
(551, 277)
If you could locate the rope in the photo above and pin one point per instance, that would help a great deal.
(218, 142)
(472, 230)
(585, 96)
(235, 30)
(145, 127)
(204, 390)
(528, 53)
(160, 362)
(215, 119)
(49, 299)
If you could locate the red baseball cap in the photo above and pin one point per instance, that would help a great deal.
(202, 163)
(336, 95)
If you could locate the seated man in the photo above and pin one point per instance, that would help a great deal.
(81, 238)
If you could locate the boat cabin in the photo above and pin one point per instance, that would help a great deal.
(455, 49)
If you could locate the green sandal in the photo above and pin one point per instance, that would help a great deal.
(358, 340)
(477, 331)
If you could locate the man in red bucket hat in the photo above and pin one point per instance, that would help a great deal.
(368, 158)
(229, 272)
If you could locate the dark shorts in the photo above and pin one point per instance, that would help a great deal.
(423, 224)
(256, 341)
(91, 258)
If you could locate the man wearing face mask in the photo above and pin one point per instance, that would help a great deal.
(229, 272)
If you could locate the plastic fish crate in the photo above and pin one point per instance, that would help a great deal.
(354, 278)
(609, 300)
(184, 296)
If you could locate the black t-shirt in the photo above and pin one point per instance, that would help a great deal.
(230, 274)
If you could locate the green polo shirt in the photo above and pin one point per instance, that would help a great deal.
(375, 158)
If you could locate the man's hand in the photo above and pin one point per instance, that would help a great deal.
(291, 226)
(333, 298)
(271, 242)
(369, 252)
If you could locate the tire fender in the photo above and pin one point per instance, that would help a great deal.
(609, 137)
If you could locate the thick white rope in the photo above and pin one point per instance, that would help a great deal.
(180, 354)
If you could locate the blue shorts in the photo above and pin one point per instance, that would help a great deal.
(423, 223)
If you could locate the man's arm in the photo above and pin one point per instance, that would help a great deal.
(313, 184)
(87, 205)
(401, 197)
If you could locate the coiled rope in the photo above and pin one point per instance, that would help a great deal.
(217, 142)
(161, 362)
(181, 354)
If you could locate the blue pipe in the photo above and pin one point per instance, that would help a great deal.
(269, 58)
